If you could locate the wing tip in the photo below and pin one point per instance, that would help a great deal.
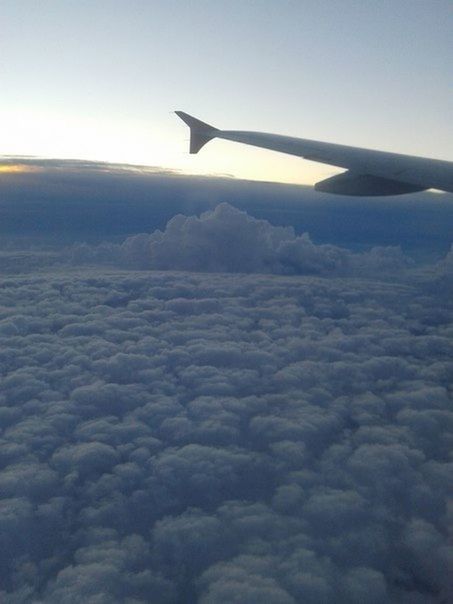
(200, 132)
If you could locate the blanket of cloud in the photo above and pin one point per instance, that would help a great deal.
(54, 202)
(236, 436)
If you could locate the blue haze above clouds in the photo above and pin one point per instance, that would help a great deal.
(224, 409)
(59, 202)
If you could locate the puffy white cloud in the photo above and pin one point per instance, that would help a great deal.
(224, 437)
(226, 239)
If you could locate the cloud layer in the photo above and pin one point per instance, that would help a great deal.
(181, 437)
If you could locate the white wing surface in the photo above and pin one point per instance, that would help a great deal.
(368, 172)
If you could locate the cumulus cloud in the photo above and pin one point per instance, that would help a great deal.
(226, 239)
(225, 437)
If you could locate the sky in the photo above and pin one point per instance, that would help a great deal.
(99, 80)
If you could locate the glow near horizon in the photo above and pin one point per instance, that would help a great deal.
(221, 158)
(96, 81)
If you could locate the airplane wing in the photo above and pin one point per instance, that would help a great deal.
(368, 172)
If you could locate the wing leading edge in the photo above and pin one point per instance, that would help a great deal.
(368, 172)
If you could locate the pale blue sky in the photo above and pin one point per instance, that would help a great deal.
(99, 79)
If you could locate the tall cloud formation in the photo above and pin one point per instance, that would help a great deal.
(223, 437)
(229, 240)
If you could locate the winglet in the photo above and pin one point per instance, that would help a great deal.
(200, 133)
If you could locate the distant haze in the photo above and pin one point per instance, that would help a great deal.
(56, 202)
